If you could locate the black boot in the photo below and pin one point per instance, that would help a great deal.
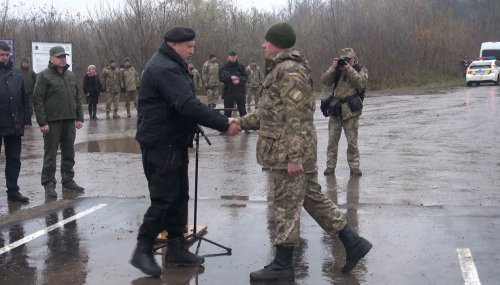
(15, 196)
(144, 260)
(280, 269)
(179, 255)
(355, 246)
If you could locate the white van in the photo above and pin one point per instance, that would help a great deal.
(490, 49)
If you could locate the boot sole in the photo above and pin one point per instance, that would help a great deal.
(364, 251)
(154, 274)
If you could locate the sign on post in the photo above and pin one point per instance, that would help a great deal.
(41, 56)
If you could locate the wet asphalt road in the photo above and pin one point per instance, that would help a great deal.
(431, 184)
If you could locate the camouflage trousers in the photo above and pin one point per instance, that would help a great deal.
(213, 94)
(130, 96)
(112, 97)
(293, 193)
(350, 126)
(253, 93)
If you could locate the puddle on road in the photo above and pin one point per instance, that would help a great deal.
(125, 145)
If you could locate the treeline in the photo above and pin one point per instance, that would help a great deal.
(400, 41)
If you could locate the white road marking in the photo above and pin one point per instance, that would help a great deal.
(40, 233)
(469, 271)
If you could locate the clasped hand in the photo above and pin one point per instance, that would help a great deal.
(234, 127)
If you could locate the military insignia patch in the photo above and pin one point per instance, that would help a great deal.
(293, 72)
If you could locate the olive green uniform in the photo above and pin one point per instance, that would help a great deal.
(57, 102)
(111, 81)
(130, 79)
(210, 77)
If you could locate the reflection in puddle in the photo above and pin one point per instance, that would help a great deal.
(126, 145)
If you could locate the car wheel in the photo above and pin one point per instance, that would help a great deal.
(477, 83)
(498, 80)
(469, 84)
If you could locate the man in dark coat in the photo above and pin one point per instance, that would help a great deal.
(15, 116)
(168, 117)
(234, 77)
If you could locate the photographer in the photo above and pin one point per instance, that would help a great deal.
(349, 80)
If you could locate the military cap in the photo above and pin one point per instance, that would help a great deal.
(232, 53)
(179, 34)
(211, 56)
(57, 51)
(281, 35)
(347, 53)
(4, 46)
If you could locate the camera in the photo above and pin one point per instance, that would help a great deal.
(341, 62)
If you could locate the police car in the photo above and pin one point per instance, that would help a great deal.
(483, 70)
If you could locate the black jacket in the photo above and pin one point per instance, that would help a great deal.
(233, 69)
(92, 86)
(168, 110)
(14, 102)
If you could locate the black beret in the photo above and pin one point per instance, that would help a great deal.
(179, 34)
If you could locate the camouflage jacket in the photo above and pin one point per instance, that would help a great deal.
(210, 74)
(350, 81)
(285, 117)
(130, 78)
(111, 80)
(196, 79)
(254, 76)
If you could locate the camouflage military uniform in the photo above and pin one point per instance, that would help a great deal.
(130, 79)
(196, 79)
(210, 76)
(253, 87)
(288, 135)
(349, 121)
(111, 81)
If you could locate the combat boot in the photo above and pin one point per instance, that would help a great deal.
(355, 246)
(178, 255)
(280, 269)
(115, 115)
(329, 171)
(15, 196)
(356, 172)
(144, 260)
(107, 115)
(50, 190)
(72, 186)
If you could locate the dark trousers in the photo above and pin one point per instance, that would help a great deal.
(12, 161)
(92, 100)
(60, 133)
(230, 99)
(167, 173)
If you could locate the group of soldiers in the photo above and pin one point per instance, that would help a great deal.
(210, 80)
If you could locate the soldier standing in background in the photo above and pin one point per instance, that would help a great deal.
(210, 77)
(130, 79)
(287, 145)
(349, 79)
(254, 83)
(111, 81)
(196, 76)
(58, 108)
(29, 78)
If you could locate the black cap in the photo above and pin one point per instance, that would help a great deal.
(232, 53)
(211, 56)
(4, 46)
(179, 34)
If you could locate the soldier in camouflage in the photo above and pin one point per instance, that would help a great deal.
(351, 81)
(253, 85)
(196, 76)
(210, 76)
(287, 145)
(130, 79)
(111, 81)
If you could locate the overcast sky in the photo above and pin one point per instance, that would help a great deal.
(83, 6)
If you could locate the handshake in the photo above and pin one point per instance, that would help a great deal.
(234, 127)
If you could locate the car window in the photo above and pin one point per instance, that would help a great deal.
(477, 66)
